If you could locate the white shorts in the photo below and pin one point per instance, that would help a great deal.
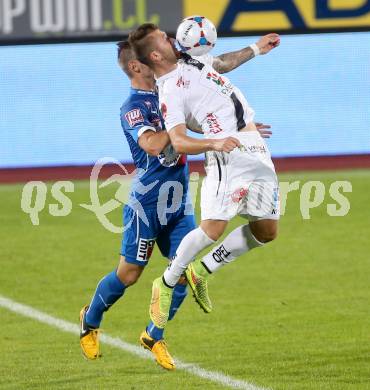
(242, 182)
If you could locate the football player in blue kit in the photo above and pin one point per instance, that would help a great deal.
(158, 210)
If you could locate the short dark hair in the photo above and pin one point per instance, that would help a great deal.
(125, 55)
(141, 43)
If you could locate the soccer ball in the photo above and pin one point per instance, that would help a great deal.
(196, 35)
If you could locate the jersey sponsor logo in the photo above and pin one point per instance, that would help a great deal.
(145, 249)
(183, 83)
(226, 88)
(257, 149)
(213, 124)
(220, 254)
(134, 117)
(253, 149)
(216, 78)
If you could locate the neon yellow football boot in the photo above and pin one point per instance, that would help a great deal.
(197, 276)
(89, 337)
(159, 350)
(160, 304)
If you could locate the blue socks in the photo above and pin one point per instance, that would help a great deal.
(179, 294)
(108, 291)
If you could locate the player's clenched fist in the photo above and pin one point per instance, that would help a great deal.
(227, 144)
(268, 42)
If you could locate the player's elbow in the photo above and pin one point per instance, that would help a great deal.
(153, 150)
(178, 145)
(220, 65)
(179, 149)
(150, 144)
(222, 69)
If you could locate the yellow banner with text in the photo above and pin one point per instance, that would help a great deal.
(252, 15)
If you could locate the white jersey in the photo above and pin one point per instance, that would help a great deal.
(195, 94)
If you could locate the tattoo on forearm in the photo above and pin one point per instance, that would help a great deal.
(229, 61)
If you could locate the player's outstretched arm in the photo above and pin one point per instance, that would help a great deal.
(184, 144)
(228, 61)
(154, 142)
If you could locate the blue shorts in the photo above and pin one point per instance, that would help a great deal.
(139, 239)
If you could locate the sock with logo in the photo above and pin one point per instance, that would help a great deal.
(190, 246)
(178, 296)
(108, 291)
(239, 241)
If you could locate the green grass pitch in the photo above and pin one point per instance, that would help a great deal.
(292, 315)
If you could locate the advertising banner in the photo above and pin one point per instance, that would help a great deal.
(64, 19)
(267, 15)
(27, 21)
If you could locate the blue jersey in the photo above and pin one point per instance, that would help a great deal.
(140, 113)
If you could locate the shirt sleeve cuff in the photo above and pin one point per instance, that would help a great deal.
(169, 127)
(144, 129)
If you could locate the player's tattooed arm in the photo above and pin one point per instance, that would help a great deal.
(227, 62)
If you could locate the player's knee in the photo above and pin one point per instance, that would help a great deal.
(213, 229)
(129, 278)
(266, 235)
(264, 230)
(128, 273)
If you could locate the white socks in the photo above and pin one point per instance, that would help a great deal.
(239, 241)
(190, 246)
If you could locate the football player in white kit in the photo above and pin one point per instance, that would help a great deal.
(240, 178)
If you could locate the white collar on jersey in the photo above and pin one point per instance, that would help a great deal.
(167, 75)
